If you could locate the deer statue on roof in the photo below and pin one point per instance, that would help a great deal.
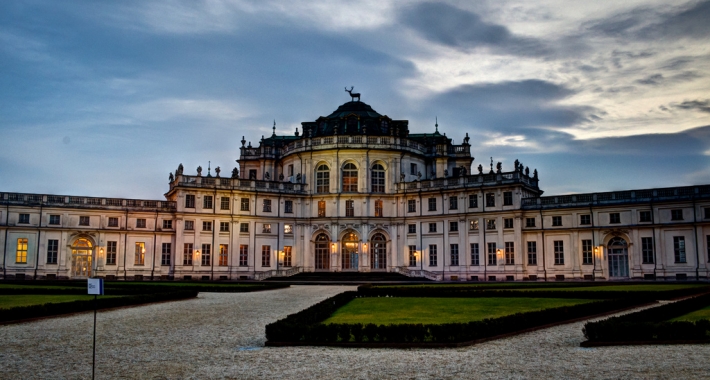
(352, 96)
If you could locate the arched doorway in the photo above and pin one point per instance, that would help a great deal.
(618, 253)
(378, 251)
(350, 251)
(81, 252)
(322, 252)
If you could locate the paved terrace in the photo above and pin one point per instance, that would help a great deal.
(221, 335)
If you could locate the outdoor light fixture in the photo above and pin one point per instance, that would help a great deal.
(197, 254)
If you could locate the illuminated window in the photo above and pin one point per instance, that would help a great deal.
(349, 178)
(266, 228)
(140, 254)
(323, 179)
(223, 255)
(473, 225)
(288, 228)
(378, 208)
(287, 256)
(21, 255)
(321, 209)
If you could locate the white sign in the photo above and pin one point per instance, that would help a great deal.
(96, 286)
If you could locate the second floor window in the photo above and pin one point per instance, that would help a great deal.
(529, 222)
(472, 201)
(244, 227)
(140, 223)
(54, 219)
(378, 179)
(266, 228)
(189, 225)
(507, 198)
(24, 219)
(323, 179)
(645, 216)
(207, 202)
(378, 208)
(412, 228)
(473, 225)
(675, 215)
(113, 222)
(224, 203)
(190, 201)
(349, 178)
(267, 205)
(614, 218)
(244, 204)
(432, 204)
(167, 224)
(349, 208)
(432, 227)
(288, 207)
(206, 226)
(585, 220)
(453, 203)
(321, 209)
(413, 169)
(223, 226)
(83, 220)
(556, 221)
(490, 224)
(453, 226)
(288, 229)
(490, 200)
(411, 205)
(508, 223)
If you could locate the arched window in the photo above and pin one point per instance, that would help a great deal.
(378, 178)
(322, 179)
(378, 251)
(322, 252)
(350, 257)
(349, 178)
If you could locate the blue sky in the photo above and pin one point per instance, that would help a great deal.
(106, 98)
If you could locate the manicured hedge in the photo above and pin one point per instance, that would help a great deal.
(36, 311)
(114, 288)
(652, 324)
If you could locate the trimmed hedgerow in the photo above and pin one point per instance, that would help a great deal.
(136, 289)
(653, 324)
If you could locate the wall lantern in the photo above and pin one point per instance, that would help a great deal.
(499, 253)
(197, 254)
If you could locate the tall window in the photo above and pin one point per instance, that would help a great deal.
(412, 255)
(349, 208)
(378, 208)
(532, 253)
(453, 203)
(323, 179)
(432, 255)
(475, 257)
(472, 201)
(432, 204)
(509, 253)
(265, 256)
(507, 198)
(140, 254)
(252, 173)
(679, 249)
(223, 255)
(206, 254)
(413, 169)
(267, 205)
(321, 209)
(244, 204)
(187, 254)
(290, 170)
(490, 200)
(349, 178)
(378, 251)
(288, 207)
(190, 201)
(559, 251)
(454, 254)
(378, 179)
(224, 203)
(207, 202)
(52, 251)
(288, 257)
(111, 252)
(243, 255)
(647, 250)
(21, 254)
(165, 254)
(411, 205)
(587, 251)
(492, 254)
(322, 251)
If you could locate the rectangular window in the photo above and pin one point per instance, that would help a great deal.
(55, 219)
(265, 256)
(708, 246)
(290, 170)
(509, 253)
(647, 250)
(224, 203)
(111, 252)
(223, 255)
(206, 256)
(321, 209)
(288, 229)
(585, 220)
(475, 259)
(679, 249)
(432, 255)
(645, 216)
(707, 213)
(243, 255)
(244, 204)
(492, 259)
(252, 173)
(532, 253)
(266, 228)
(556, 221)
(675, 215)
(267, 205)
(507, 198)
(288, 207)
(84, 220)
(411, 205)
(167, 224)
(24, 219)
(189, 225)
(166, 253)
(187, 254)
(454, 254)
(206, 226)
(586, 251)
(508, 223)
(243, 227)
(113, 222)
(21, 254)
(453, 226)
(490, 200)
(490, 224)
(473, 225)
(432, 204)
(52, 251)
(207, 202)
(559, 251)
(223, 226)
(378, 208)
(349, 208)
(614, 218)
(413, 169)
(139, 254)
(432, 227)
(529, 222)
(453, 203)
(473, 201)
(412, 255)
(140, 223)
(412, 228)
(288, 256)
(190, 201)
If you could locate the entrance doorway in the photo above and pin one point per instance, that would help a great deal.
(81, 252)
(378, 251)
(618, 258)
(350, 252)
(322, 252)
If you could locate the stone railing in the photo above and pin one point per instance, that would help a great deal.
(476, 180)
(618, 197)
(85, 202)
(418, 273)
(259, 276)
(237, 184)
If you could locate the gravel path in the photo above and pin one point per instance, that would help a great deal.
(221, 335)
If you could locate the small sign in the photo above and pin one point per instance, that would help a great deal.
(96, 286)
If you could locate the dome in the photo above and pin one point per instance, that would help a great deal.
(358, 108)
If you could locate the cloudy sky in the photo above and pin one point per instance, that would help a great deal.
(106, 98)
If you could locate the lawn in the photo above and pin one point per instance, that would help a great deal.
(621, 288)
(11, 301)
(390, 310)
(697, 315)
(555, 287)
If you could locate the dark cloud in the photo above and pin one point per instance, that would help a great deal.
(695, 105)
(652, 80)
(458, 28)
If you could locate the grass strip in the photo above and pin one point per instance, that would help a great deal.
(8, 302)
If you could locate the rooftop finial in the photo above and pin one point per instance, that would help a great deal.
(274, 129)
(208, 168)
(436, 125)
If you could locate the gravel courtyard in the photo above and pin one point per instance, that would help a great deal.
(220, 335)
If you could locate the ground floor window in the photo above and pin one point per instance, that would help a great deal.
(140, 254)
(647, 250)
(165, 254)
(432, 255)
(206, 254)
(52, 251)
(509, 253)
(223, 255)
(586, 251)
(187, 254)
(243, 255)
(322, 252)
(287, 256)
(679, 249)
(378, 251)
(21, 254)
(491, 253)
(265, 256)
(111, 252)
(454, 254)
(559, 251)
(532, 253)
(475, 260)
(412, 255)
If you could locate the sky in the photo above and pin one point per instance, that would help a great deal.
(107, 98)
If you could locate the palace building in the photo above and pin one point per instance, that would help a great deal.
(356, 191)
